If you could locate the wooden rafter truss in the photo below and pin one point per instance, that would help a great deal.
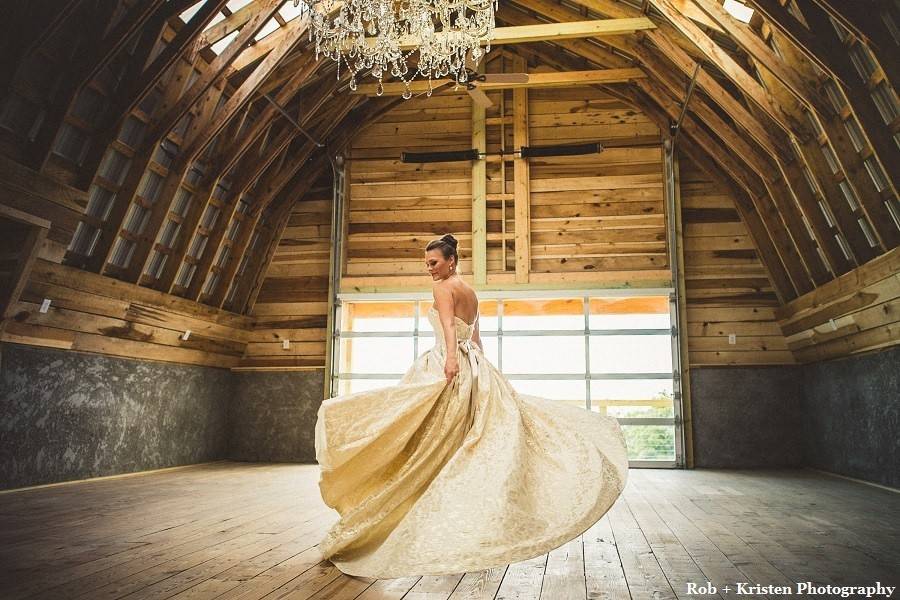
(195, 132)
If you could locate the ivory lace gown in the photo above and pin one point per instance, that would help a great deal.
(431, 478)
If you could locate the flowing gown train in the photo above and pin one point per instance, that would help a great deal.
(431, 478)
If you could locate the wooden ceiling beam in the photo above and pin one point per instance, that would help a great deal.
(109, 231)
(784, 157)
(548, 32)
(557, 13)
(247, 174)
(864, 20)
(270, 228)
(534, 80)
(619, 9)
(662, 40)
(201, 132)
(248, 287)
(274, 181)
(89, 61)
(725, 63)
(200, 135)
(849, 160)
(591, 51)
(228, 25)
(803, 87)
(846, 161)
(204, 194)
(172, 112)
(767, 137)
(880, 138)
(141, 81)
(812, 46)
(241, 183)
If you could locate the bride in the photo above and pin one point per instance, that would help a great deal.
(452, 470)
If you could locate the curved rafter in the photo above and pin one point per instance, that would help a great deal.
(782, 116)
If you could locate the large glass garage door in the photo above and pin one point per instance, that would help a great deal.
(607, 353)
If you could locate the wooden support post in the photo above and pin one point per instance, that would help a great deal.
(479, 196)
(681, 307)
(521, 182)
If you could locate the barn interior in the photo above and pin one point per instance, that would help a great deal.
(208, 229)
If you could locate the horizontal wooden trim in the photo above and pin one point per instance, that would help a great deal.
(534, 80)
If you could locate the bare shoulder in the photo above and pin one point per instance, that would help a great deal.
(442, 290)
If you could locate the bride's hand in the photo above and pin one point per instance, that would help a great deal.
(451, 368)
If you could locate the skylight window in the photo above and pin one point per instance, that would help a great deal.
(288, 11)
(219, 17)
(268, 28)
(193, 10)
(236, 5)
(739, 10)
(223, 43)
(186, 15)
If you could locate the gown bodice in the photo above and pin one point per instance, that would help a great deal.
(464, 331)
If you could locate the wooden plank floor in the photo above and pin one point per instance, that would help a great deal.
(249, 531)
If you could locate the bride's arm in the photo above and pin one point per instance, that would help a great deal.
(443, 302)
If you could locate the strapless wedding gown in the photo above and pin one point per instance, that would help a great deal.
(431, 478)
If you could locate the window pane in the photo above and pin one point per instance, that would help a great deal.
(543, 354)
(645, 312)
(631, 354)
(630, 389)
(543, 313)
(570, 391)
(376, 355)
(650, 442)
(491, 349)
(378, 316)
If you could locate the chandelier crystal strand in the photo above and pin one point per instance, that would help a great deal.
(370, 35)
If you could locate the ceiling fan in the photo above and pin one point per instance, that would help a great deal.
(478, 95)
(473, 79)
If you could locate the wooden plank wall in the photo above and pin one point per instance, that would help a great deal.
(591, 213)
(857, 312)
(602, 212)
(396, 208)
(96, 313)
(293, 301)
(728, 290)
(26, 190)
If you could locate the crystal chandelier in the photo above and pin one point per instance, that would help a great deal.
(381, 35)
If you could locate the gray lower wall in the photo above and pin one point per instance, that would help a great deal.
(841, 416)
(852, 416)
(70, 415)
(272, 415)
(747, 416)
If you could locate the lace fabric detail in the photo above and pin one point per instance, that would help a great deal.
(436, 478)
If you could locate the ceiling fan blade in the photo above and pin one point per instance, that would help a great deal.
(506, 78)
(479, 97)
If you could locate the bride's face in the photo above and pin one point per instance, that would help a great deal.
(438, 266)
